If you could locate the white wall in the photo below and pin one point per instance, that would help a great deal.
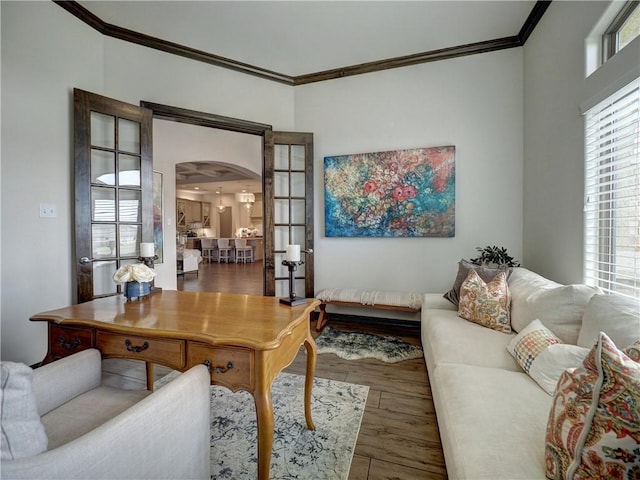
(554, 89)
(46, 52)
(474, 103)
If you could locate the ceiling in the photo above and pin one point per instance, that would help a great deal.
(304, 37)
(208, 177)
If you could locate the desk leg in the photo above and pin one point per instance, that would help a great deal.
(149, 366)
(264, 411)
(310, 346)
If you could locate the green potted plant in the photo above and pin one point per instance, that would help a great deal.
(495, 257)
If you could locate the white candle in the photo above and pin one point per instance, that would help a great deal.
(293, 253)
(147, 249)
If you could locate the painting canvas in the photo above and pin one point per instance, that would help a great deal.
(400, 193)
(157, 216)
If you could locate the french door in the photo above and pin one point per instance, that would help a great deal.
(288, 192)
(113, 189)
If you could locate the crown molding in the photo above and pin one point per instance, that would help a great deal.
(127, 35)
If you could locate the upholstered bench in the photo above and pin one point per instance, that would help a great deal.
(357, 297)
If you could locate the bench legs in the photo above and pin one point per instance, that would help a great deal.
(322, 318)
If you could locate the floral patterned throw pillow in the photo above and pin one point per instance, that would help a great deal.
(486, 303)
(594, 422)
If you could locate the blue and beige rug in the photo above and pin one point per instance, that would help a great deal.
(326, 453)
(355, 345)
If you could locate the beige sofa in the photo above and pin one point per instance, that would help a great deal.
(59, 422)
(492, 416)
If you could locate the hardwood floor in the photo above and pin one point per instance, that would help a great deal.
(224, 277)
(398, 438)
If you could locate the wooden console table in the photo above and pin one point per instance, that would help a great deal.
(244, 340)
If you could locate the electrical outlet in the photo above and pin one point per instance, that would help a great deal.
(48, 210)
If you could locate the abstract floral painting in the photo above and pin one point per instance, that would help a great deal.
(400, 193)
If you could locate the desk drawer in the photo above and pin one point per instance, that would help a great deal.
(65, 341)
(228, 366)
(164, 351)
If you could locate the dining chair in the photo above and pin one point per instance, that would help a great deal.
(244, 252)
(207, 249)
(224, 250)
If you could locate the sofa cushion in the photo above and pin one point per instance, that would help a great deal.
(447, 338)
(594, 423)
(464, 267)
(87, 411)
(559, 308)
(486, 304)
(22, 432)
(491, 421)
(616, 315)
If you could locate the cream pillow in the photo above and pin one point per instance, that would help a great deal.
(553, 361)
(486, 304)
(542, 356)
(22, 432)
(616, 315)
(530, 342)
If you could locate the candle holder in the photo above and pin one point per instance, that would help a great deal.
(292, 300)
(148, 261)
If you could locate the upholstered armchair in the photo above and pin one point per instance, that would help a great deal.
(60, 422)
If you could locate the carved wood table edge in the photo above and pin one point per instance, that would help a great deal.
(245, 341)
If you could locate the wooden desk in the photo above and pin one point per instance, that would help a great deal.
(245, 341)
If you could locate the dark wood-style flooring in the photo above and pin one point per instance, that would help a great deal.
(224, 277)
(398, 438)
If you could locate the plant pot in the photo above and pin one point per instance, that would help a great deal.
(136, 289)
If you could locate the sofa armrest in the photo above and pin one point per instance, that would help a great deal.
(435, 301)
(165, 435)
(54, 384)
(189, 264)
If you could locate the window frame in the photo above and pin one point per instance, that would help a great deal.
(610, 36)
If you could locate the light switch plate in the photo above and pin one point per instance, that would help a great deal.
(48, 210)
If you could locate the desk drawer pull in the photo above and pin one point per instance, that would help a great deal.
(69, 346)
(131, 348)
(218, 369)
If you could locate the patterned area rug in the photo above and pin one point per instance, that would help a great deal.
(354, 345)
(326, 453)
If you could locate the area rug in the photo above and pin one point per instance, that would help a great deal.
(326, 453)
(355, 345)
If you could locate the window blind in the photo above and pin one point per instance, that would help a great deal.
(612, 193)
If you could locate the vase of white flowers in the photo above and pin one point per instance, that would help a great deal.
(137, 280)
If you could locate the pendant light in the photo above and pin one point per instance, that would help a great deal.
(221, 208)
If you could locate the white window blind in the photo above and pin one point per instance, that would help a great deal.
(612, 193)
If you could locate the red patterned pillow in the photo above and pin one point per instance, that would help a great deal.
(594, 423)
(486, 303)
